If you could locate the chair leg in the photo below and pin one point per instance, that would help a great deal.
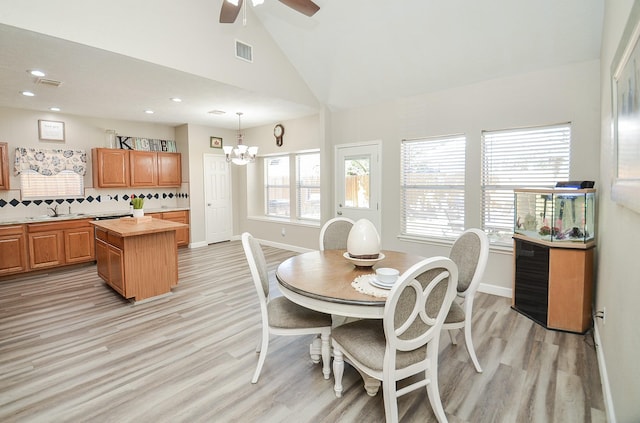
(433, 392)
(338, 370)
(390, 397)
(315, 349)
(452, 336)
(263, 353)
(469, 344)
(326, 355)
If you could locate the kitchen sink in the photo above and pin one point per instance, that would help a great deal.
(58, 217)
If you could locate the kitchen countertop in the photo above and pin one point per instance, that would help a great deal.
(73, 216)
(128, 226)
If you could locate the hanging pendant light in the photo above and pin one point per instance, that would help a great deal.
(241, 154)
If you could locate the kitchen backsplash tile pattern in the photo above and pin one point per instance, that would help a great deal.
(94, 201)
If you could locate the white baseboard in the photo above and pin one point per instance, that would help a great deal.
(604, 377)
(495, 290)
(285, 246)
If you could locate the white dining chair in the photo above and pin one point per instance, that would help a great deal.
(470, 253)
(405, 342)
(334, 233)
(281, 316)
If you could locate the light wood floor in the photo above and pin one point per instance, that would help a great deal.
(72, 350)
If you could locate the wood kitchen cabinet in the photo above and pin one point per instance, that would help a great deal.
(4, 166)
(553, 285)
(181, 216)
(182, 234)
(138, 260)
(169, 169)
(13, 249)
(60, 243)
(143, 168)
(110, 167)
(134, 168)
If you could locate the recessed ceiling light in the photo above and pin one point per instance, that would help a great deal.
(149, 112)
(27, 93)
(36, 72)
(176, 99)
(217, 112)
(54, 109)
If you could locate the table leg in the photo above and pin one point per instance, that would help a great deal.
(315, 349)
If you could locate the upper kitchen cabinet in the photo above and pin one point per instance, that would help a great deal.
(110, 167)
(4, 166)
(134, 168)
(143, 168)
(169, 169)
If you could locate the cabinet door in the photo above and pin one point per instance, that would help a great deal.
(110, 168)
(46, 249)
(4, 166)
(116, 270)
(13, 254)
(182, 235)
(169, 169)
(102, 259)
(143, 167)
(531, 280)
(79, 245)
(570, 289)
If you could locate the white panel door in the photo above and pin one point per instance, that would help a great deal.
(358, 179)
(217, 199)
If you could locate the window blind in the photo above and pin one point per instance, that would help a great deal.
(519, 158)
(65, 184)
(308, 186)
(432, 186)
(277, 186)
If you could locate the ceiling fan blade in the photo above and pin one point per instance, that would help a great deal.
(306, 7)
(229, 12)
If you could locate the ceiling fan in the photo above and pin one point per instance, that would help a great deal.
(231, 8)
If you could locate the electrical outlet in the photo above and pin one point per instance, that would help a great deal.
(283, 232)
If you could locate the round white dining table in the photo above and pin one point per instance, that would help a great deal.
(321, 280)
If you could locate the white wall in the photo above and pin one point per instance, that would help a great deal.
(564, 94)
(618, 273)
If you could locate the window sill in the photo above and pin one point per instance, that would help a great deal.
(295, 222)
(497, 248)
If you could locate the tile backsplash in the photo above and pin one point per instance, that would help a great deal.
(94, 201)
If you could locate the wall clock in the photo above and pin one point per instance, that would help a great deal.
(278, 132)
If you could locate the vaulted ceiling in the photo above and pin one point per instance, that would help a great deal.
(351, 53)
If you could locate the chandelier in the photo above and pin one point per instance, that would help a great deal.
(241, 154)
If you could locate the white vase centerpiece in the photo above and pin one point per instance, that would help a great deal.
(363, 241)
(137, 203)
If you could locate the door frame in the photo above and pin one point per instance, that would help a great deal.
(375, 179)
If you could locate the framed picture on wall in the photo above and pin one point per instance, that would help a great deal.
(625, 91)
(50, 130)
(216, 142)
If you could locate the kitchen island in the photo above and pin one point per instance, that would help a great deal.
(137, 257)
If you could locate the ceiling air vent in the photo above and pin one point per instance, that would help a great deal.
(244, 51)
(50, 82)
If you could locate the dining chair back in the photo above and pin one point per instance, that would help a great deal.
(405, 342)
(281, 316)
(334, 233)
(470, 252)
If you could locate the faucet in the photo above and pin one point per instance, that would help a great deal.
(54, 210)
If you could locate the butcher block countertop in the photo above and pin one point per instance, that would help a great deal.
(131, 226)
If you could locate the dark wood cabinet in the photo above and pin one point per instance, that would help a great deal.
(553, 285)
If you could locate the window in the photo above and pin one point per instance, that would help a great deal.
(519, 158)
(277, 186)
(66, 184)
(432, 185)
(308, 186)
(292, 186)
